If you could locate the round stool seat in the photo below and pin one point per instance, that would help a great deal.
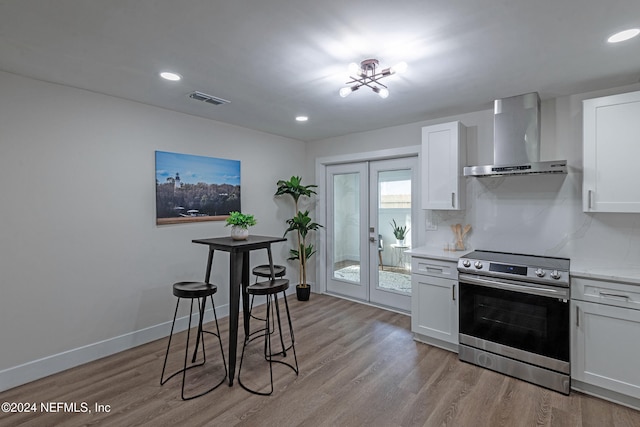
(194, 289)
(268, 287)
(265, 270)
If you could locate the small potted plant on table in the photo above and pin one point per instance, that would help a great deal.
(400, 232)
(240, 224)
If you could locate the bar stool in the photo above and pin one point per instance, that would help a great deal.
(270, 289)
(264, 270)
(193, 291)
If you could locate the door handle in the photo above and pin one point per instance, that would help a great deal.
(372, 239)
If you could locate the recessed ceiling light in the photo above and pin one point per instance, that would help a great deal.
(168, 75)
(302, 118)
(624, 35)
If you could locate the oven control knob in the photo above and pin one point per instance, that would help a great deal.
(540, 272)
(478, 265)
(555, 275)
(466, 263)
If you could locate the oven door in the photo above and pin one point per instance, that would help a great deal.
(502, 315)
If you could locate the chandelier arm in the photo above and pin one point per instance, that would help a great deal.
(369, 84)
(354, 80)
(369, 77)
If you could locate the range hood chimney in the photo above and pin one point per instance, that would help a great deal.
(516, 141)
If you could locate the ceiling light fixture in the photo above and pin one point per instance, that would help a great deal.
(624, 35)
(168, 75)
(302, 118)
(365, 75)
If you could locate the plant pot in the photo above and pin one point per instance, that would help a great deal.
(239, 233)
(400, 242)
(303, 293)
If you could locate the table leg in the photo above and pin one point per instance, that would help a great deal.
(200, 321)
(207, 275)
(235, 277)
(245, 295)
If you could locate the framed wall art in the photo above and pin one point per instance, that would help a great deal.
(195, 188)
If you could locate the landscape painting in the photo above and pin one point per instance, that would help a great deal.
(195, 188)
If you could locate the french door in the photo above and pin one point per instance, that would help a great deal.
(365, 200)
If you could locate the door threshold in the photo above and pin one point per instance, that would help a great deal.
(370, 304)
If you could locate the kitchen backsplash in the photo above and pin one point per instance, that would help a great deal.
(542, 214)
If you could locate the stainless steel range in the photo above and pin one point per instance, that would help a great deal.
(514, 316)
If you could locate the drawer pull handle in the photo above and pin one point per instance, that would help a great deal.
(607, 294)
(434, 270)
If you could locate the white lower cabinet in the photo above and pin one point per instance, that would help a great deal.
(434, 302)
(606, 340)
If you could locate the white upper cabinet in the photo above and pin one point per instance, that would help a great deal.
(443, 158)
(611, 138)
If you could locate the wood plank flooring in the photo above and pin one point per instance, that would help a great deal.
(359, 366)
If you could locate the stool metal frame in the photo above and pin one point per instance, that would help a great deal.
(192, 291)
(264, 270)
(270, 289)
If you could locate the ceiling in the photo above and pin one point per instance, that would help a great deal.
(276, 59)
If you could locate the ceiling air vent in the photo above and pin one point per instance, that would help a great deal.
(200, 96)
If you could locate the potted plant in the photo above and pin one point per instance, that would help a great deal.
(400, 232)
(302, 224)
(240, 224)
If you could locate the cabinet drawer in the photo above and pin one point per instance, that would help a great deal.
(433, 267)
(605, 292)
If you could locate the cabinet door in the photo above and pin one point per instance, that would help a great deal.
(434, 307)
(611, 137)
(443, 156)
(605, 347)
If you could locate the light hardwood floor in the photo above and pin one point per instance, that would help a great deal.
(359, 366)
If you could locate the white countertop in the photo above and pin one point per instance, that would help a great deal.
(436, 252)
(594, 269)
(585, 268)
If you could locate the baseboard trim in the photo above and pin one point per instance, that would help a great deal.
(36, 369)
(602, 393)
(435, 342)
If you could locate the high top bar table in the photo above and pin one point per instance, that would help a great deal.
(238, 280)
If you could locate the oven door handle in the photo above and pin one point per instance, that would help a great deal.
(515, 287)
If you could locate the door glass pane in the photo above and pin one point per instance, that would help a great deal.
(346, 229)
(394, 211)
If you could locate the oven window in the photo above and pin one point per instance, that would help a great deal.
(527, 322)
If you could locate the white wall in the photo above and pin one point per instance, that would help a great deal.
(82, 261)
(528, 214)
(81, 258)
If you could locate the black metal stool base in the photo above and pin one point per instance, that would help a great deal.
(271, 290)
(264, 270)
(193, 291)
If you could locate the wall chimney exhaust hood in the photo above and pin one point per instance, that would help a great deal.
(516, 140)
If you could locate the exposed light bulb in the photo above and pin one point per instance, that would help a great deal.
(624, 35)
(400, 67)
(382, 92)
(346, 91)
(354, 69)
